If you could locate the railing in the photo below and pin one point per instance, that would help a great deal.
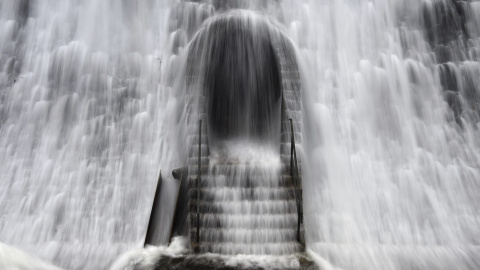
(295, 176)
(199, 175)
(294, 173)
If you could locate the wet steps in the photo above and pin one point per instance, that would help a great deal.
(258, 249)
(244, 209)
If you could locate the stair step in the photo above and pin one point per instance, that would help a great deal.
(245, 207)
(278, 221)
(237, 193)
(280, 248)
(205, 181)
(245, 236)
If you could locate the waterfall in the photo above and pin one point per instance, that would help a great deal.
(393, 164)
(92, 107)
(84, 117)
(235, 83)
(251, 212)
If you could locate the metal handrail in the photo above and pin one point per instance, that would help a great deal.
(295, 175)
(199, 175)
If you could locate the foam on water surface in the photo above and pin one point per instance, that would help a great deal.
(178, 255)
(12, 258)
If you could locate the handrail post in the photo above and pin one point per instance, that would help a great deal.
(292, 147)
(293, 158)
(199, 173)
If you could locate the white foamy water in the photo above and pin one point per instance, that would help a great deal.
(83, 126)
(89, 112)
(250, 208)
(148, 258)
(392, 172)
(14, 259)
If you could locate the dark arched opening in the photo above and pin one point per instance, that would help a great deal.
(241, 78)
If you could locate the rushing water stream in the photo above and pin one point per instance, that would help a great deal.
(91, 104)
(250, 213)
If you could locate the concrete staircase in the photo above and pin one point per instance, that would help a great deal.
(245, 213)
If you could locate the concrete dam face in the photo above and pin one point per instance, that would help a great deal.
(368, 160)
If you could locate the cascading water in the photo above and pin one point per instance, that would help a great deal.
(234, 84)
(89, 110)
(393, 169)
(250, 211)
(83, 119)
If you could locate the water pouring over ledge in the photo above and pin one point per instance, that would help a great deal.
(241, 90)
(387, 162)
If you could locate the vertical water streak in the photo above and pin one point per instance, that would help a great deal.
(235, 85)
(248, 209)
(89, 110)
(391, 129)
(85, 116)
